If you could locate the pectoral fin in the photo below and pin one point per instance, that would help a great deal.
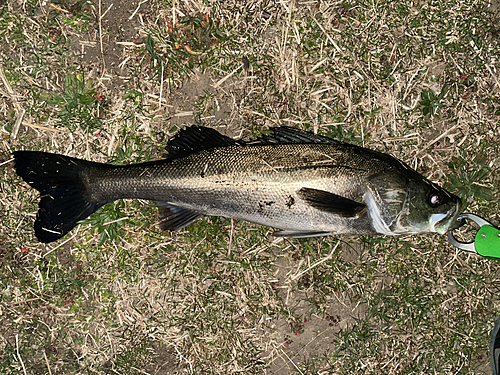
(332, 203)
(175, 218)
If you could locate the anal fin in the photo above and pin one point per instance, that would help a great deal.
(299, 234)
(174, 218)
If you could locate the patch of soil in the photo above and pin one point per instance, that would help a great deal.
(304, 334)
(101, 49)
(198, 100)
(105, 54)
(165, 362)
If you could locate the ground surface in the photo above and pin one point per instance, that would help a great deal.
(112, 81)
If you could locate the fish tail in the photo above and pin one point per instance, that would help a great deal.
(64, 196)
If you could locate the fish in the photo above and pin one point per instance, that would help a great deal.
(300, 183)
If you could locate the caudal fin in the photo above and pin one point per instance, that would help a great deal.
(64, 199)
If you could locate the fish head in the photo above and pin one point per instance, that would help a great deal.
(408, 203)
(428, 208)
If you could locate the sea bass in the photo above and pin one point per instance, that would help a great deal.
(300, 183)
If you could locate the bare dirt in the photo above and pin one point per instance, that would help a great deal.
(102, 49)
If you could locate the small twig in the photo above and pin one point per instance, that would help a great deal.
(493, 75)
(6, 162)
(231, 234)
(17, 124)
(266, 117)
(41, 127)
(220, 82)
(122, 64)
(183, 114)
(47, 362)
(106, 11)
(322, 90)
(19, 355)
(317, 65)
(174, 17)
(117, 220)
(19, 108)
(137, 9)
(100, 34)
(161, 85)
(62, 243)
(129, 44)
(294, 365)
(296, 276)
(56, 7)
(328, 36)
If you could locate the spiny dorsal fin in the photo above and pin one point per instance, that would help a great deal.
(195, 139)
(286, 134)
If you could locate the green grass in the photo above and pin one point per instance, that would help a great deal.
(78, 102)
(117, 295)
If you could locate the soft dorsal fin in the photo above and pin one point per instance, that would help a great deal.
(286, 134)
(197, 138)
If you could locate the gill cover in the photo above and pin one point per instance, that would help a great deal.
(407, 203)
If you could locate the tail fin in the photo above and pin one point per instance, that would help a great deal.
(64, 199)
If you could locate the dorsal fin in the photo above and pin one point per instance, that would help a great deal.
(197, 138)
(286, 134)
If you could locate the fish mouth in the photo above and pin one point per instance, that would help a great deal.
(450, 221)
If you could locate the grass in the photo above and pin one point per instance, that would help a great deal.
(117, 295)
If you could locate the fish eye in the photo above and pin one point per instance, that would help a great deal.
(434, 198)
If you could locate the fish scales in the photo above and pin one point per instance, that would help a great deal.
(255, 183)
(300, 183)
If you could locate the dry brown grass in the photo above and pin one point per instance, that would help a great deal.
(225, 297)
